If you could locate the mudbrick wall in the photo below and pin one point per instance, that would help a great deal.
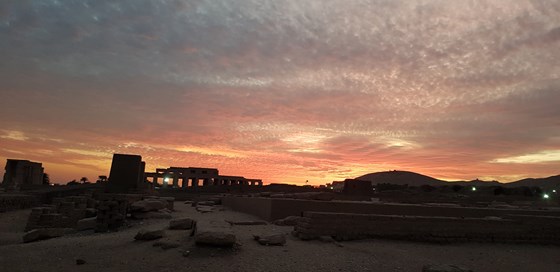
(347, 226)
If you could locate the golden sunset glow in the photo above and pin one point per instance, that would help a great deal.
(286, 91)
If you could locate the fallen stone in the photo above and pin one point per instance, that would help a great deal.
(151, 215)
(148, 205)
(206, 203)
(188, 202)
(215, 238)
(86, 224)
(181, 224)
(147, 235)
(445, 268)
(288, 221)
(186, 253)
(43, 234)
(80, 261)
(214, 233)
(271, 240)
(170, 202)
(246, 223)
(204, 209)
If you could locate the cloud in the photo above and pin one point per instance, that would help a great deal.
(283, 89)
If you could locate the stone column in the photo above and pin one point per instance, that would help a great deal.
(194, 182)
(155, 180)
(175, 180)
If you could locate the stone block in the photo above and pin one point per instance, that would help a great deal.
(86, 224)
(148, 205)
(271, 240)
(43, 234)
(181, 224)
(147, 235)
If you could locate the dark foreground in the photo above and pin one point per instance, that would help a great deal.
(119, 252)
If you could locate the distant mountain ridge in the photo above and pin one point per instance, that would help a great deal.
(416, 179)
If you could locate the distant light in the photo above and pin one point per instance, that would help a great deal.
(474, 189)
(332, 187)
(554, 191)
(166, 180)
(545, 196)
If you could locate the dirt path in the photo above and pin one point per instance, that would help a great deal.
(119, 252)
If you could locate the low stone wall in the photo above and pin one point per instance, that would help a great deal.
(64, 212)
(9, 202)
(258, 206)
(346, 226)
(278, 208)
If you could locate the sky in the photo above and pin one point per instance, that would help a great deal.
(283, 90)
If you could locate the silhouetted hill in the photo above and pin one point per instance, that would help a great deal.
(402, 178)
(477, 182)
(548, 183)
(415, 179)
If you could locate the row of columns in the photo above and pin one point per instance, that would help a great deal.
(173, 181)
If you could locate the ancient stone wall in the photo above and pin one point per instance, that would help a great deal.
(278, 208)
(16, 202)
(347, 226)
(64, 212)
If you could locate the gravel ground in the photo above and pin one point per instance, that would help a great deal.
(119, 252)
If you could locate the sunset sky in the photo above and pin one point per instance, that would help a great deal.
(283, 90)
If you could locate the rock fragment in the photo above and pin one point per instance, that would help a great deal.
(181, 224)
(445, 268)
(147, 235)
(271, 240)
(43, 234)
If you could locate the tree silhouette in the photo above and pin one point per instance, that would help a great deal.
(102, 179)
(84, 180)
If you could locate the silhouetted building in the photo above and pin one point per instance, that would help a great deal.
(183, 177)
(127, 174)
(22, 174)
(337, 186)
(357, 187)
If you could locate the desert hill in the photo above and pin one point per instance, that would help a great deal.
(402, 178)
(416, 179)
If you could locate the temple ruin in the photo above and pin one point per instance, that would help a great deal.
(193, 177)
(22, 174)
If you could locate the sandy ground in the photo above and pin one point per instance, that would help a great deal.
(119, 252)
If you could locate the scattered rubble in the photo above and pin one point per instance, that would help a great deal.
(271, 240)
